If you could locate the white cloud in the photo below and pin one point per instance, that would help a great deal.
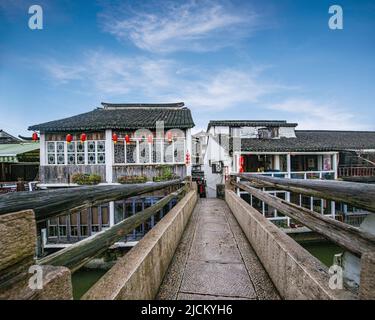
(64, 73)
(312, 115)
(119, 77)
(226, 89)
(141, 79)
(193, 26)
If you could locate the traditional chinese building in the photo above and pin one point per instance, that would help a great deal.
(276, 148)
(114, 141)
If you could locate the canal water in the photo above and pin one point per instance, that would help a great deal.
(324, 251)
(84, 279)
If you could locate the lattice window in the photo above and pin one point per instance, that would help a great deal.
(131, 152)
(119, 150)
(75, 152)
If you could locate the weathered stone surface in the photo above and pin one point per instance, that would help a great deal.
(214, 265)
(220, 279)
(139, 273)
(17, 243)
(367, 285)
(17, 249)
(57, 284)
(18, 238)
(264, 288)
(295, 272)
(188, 296)
(173, 278)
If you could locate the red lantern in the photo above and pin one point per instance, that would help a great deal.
(149, 138)
(127, 139)
(34, 137)
(114, 138)
(169, 135)
(83, 137)
(187, 158)
(242, 163)
(69, 138)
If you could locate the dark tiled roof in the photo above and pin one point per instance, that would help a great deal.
(123, 116)
(177, 105)
(7, 138)
(250, 123)
(314, 141)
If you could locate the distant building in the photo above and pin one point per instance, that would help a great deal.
(276, 148)
(119, 140)
(199, 147)
(19, 160)
(8, 138)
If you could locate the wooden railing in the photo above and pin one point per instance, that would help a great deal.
(13, 186)
(349, 237)
(355, 240)
(52, 203)
(359, 195)
(76, 255)
(356, 172)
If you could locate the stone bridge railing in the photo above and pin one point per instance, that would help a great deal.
(22, 277)
(294, 271)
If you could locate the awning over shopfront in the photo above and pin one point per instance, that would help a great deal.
(20, 152)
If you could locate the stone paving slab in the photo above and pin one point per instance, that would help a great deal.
(214, 260)
(189, 296)
(214, 246)
(221, 279)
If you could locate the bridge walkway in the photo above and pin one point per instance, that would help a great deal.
(214, 260)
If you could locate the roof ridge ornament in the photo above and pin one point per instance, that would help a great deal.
(112, 106)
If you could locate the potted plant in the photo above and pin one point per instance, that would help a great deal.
(86, 179)
(132, 179)
(166, 173)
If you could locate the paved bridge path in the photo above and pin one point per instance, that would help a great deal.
(214, 260)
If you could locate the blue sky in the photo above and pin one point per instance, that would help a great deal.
(224, 59)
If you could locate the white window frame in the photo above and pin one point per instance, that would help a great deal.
(47, 153)
(151, 150)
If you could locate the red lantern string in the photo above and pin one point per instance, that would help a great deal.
(114, 138)
(34, 137)
(69, 138)
(127, 139)
(83, 137)
(187, 158)
(242, 163)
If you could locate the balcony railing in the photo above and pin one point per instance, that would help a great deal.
(356, 171)
(323, 175)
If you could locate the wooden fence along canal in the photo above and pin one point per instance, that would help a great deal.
(30, 208)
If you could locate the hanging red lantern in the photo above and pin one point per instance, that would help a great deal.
(127, 139)
(114, 138)
(34, 137)
(149, 138)
(169, 135)
(242, 164)
(83, 137)
(187, 158)
(69, 138)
